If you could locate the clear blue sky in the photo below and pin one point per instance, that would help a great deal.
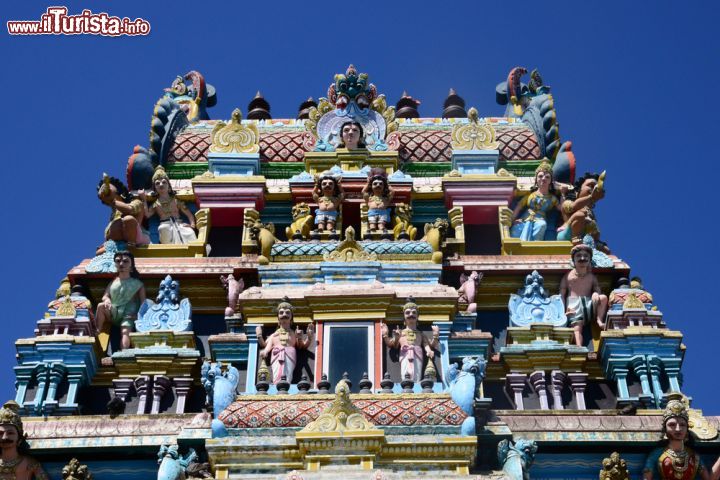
(634, 84)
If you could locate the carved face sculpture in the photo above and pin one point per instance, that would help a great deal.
(411, 317)
(581, 259)
(285, 316)
(676, 428)
(162, 186)
(107, 194)
(9, 437)
(378, 186)
(587, 187)
(327, 185)
(123, 263)
(543, 179)
(350, 135)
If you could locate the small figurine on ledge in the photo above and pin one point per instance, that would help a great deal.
(126, 214)
(579, 289)
(577, 209)
(282, 344)
(378, 195)
(168, 208)
(468, 290)
(351, 136)
(542, 199)
(121, 301)
(14, 463)
(677, 461)
(328, 194)
(411, 342)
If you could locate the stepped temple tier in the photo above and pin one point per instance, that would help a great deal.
(361, 292)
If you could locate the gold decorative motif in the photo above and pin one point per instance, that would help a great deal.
(614, 468)
(263, 372)
(283, 335)
(349, 250)
(235, 137)
(503, 173)
(388, 114)
(64, 288)
(66, 308)
(430, 371)
(316, 113)
(632, 302)
(341, 415)
(474, 135)
(75, 471)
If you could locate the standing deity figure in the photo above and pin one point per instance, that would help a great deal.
(530, 214)
(378, 195)
(126, 213)
(578, 214)
(411, 342)
(468, 290)
(121, 301)
(328, 194)
(351, 136)
(579, 289)
(168, 208)
(676, 460)
(15, 464)
(281, 347)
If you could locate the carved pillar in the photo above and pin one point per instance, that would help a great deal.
(639, 366)
(516, 383)
(558, 382)
(621, 374)
(537, 379)
(23, 376)
(444, 328)
(578, 383)
(182, 388)
(121, 387)
(655, 370)
(41, 374)
(252, 340)
(672, 370)
(161, 384)
(75, 378)
(56, 373)
(142, 383)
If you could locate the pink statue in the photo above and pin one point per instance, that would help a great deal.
(233, 287)
(281, 346)
(378, 195)
(411, 342)
(579, 289)
(468, 290)
(328, 194)
(14, 464)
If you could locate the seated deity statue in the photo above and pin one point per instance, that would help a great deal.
(168, 208)
(378, 196)
(328, 194)
(530, 214)
(121, 301)
(126, 213)
(15, 464)
(281, 347)
(676, 460)
(411, 342)
(578, 214)
(580, 290)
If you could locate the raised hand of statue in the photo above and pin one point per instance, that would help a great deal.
(597, 194)
(311, 329)
(383, 330)
(142, 194)
(435, 331)
(258, 331)
(397, 334)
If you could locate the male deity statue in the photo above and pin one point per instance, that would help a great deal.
(15, 464)
(126, 213)
(411, 342)
(675, 460)
(328, 194)
(121, 301)
(281, 347)
(351, 136)
(577, 209)
(579, 289)
(378, 195)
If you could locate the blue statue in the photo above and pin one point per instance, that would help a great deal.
(172, 464)
(220, 389)
(462, 385)
(532, 305)
(168, 312)
(517, 458)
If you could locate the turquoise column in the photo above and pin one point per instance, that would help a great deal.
(444, 328)
(252, 357)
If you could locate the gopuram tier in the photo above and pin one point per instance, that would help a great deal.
(360, 292)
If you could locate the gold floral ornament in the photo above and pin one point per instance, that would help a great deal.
(632, 302)
(316, 113)
(349, 250)
(66, 308)
(614, 468)
(474, 135)
(388, 113)
(234, 137)
(341, 415)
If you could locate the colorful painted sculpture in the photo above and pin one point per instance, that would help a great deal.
(532, 305)
(220, 387)
(74, 470)
(126, 213)
(411, 342)
(233, 287)
(173, 465)
(578, 214)
(378, 195)
(579, 289)
(614, 468)
(530, 214)
(121, 301)
(329, 194)
(167, 312)
(516, 459)
(281, 347)
(168, 209)
(351, 135)
(463, 385)
(676, 460)
(15, 464)
(302, 222)
(468, 290)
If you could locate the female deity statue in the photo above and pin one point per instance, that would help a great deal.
(541, 200)
(676, 460)
(328, 194)
(378, 195)
(168, 208)
(351, 136)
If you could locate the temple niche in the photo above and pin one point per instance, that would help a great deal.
(361, 292)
